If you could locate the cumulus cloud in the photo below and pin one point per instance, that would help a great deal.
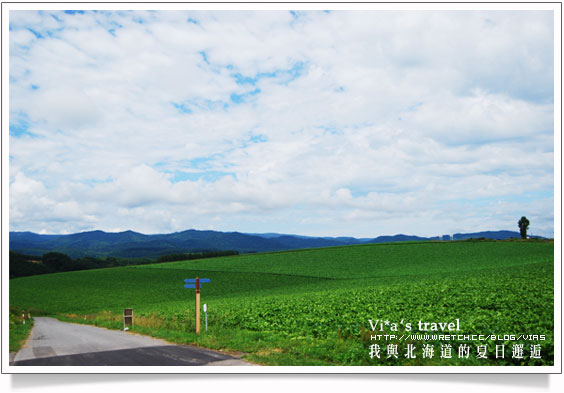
(341, 123)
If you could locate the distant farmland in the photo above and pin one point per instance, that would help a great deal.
(311, 307)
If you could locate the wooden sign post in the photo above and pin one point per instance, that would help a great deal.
(127, 317)
(197, 305)
(195, 283)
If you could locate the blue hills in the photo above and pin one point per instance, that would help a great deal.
(131, 244)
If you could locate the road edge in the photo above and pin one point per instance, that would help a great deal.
(235, 354)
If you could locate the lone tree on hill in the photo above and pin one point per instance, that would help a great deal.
(523, 226)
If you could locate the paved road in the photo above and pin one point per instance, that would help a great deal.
(55, 343)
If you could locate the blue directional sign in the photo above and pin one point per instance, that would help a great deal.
(193, 280)
(190, 286)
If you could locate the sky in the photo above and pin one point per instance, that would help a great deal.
(321, 123)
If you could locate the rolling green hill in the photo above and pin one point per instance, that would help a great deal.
(313, 306)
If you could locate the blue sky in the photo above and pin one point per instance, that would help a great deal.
(339, 123)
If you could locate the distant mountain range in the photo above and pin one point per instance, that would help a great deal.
(131, 244)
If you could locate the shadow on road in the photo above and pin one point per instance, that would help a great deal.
(167, 355)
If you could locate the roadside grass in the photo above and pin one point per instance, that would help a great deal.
(19, 331)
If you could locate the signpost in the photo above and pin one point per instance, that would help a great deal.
(195, 283)
(127, 317)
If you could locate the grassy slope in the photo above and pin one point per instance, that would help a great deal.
(381, 260)
(266, 302)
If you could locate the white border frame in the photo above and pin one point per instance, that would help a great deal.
(555, 369)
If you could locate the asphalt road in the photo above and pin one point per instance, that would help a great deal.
(56, 343)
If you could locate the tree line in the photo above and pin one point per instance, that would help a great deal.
(22, 265)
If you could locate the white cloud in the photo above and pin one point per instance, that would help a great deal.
(328, 124)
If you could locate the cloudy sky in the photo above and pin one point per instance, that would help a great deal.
(336, 123)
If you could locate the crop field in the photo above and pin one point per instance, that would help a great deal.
(312, 307)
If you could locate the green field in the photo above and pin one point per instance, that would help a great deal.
(311, 307)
